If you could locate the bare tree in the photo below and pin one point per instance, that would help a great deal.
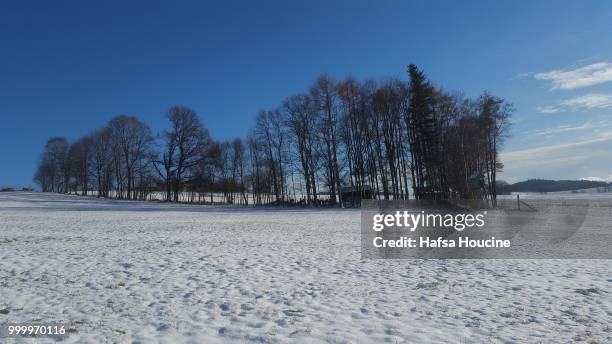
(301, 121)
(79, 156)
(325, 95)
(270, 132)
(101, 160)
(164, 162)
(238, 168)
(189, 136)
(53, 171)
(132, 139)
(494, 121)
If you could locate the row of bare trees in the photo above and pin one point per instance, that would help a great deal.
(112, 161)
(391, 139)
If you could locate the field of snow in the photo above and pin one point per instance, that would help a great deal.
(125, 271)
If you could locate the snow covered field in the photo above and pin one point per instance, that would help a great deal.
(150, 272)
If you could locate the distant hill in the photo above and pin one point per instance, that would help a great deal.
(544, 185)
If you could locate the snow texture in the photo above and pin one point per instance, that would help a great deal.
(125, 271)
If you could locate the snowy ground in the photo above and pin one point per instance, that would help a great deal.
(149, 272)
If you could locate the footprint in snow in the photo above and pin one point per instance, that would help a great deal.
(293, 312)
(587, 291)
(163, 327)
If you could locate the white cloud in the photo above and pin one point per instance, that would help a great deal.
(589, 101)
(524, 75)
(571, 79)
(586, 102)
(548, 109)
(565, 128)
(573, 160)
(533, 154)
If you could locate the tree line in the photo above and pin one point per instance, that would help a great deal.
(544, 185)
(392, 139)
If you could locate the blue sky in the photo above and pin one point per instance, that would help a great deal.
(68, 67)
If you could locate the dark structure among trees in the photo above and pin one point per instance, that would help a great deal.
(388, 140)
(351, 196)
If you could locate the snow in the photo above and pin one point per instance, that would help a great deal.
(124, 271)
(589, 194)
